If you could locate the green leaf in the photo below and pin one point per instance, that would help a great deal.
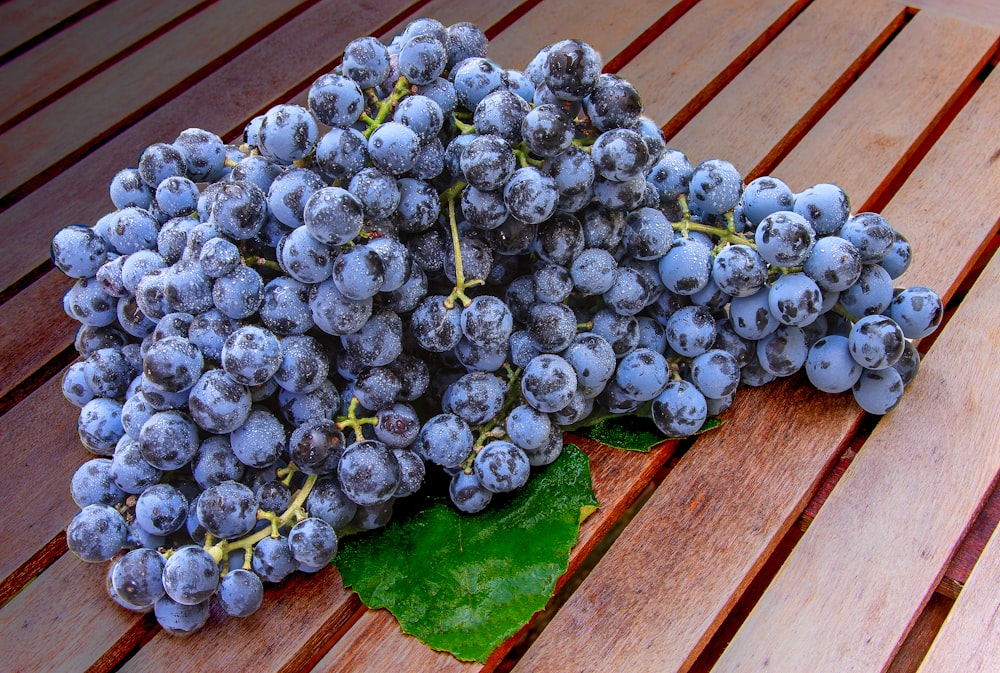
(466, 583)
(632, 433)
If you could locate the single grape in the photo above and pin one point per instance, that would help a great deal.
(240, 592)
(680, 410)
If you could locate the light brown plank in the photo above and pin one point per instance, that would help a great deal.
(681, 76)
(39, 438)
(920, 73)
(779, 93)
(655, 598)
(852, 587)
(22, 20)
(709, 554)
(81, 117)
(39, 329)
(618, 478)
(375, 643)
(601, 24)
(983, 12)
(967, 160)
(42, 71)
(969, 639)
(285, 60)
(287, 633)
(66, 622)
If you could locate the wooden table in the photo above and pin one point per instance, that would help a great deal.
(801, 536)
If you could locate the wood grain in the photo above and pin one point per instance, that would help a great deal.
(68, 623)
(52, 65)
(602, 24)
(283, 61)
(655, 598)
(852, 587)
(83, 117)
(39, 453)
(38, 328)
(969, 639)
(923, 70)
(680, 76)
(618, 477)
(291, 631)
(967, 160)
(22, 20)
(780, 93)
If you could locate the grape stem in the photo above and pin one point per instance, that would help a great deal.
(464, 128)
(523, 156)
(839, 309)
(461, 285)
(401, 90)
(726, 235)
(221, 549)
(493, 429)
(351, 420)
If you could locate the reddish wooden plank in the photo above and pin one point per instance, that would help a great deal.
(675, 572)
(923, 71)
(22, 20)
(780, 92)
(40, 445)
(64, 130)
(664, 586)
(283, 61)
(39, 329)
(681, 76)
(603, 25)
(858, 579)
(288, 633)
(969, 640)
(41, 72)
(618, 476)
(65, 621)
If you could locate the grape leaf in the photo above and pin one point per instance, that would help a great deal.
(632, 432)
(465, 583)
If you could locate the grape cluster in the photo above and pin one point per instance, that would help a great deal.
(439, 263)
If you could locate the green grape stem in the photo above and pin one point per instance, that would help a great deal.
(494, 428)
(351, 420)
(221, 549)
(461, 285)
(726, 235)
(401, 90)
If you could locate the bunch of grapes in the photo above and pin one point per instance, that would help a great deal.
(438, 264)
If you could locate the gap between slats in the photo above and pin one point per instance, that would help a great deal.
(100, 67)
(16, 193)
(39, 37)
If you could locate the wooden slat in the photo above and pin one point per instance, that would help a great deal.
(375, 643)
(52, 65)
(655, 598)
(669, 580)
(855, 583)
(39, 438)
(603, 25)
(618, 477)
(969, 639)
(922, 71)
(83, 116)
(289, 631)
(22, 20)
(39, 329)
(283, 61)
(68, 623)
(780, 92)
(680, 76)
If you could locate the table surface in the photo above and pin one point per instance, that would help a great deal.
(803, 535)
